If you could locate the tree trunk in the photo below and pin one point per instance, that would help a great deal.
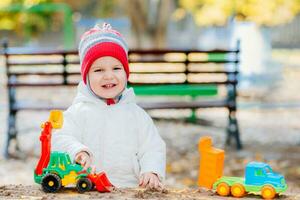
(149, 21)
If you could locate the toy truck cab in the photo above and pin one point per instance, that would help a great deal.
(61, 164)
(260, 174)
(61, 172)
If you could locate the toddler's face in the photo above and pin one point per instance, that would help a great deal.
(107, 77)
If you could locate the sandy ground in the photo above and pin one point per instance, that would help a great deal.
(34, 193)
(269, 126)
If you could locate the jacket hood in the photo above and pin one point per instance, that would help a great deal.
(84, 95)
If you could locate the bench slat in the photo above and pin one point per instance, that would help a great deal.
(43, 73)
(44, 51)
(36, 106)
(42, 84)
(36, 62)
(48, 62)
(132, 72)
(50, 84)
(146, 105)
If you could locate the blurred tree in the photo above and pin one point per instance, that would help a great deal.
(263, 12)
(29, 18)
(149, 19)
(23, 22)
(95, 8)
(267, 12)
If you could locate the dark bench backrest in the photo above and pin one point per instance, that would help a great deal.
(146, 66)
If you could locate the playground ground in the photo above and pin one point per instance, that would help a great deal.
(270, 131)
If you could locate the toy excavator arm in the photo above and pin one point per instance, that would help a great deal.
(55, 121)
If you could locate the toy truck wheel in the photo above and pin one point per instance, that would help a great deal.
(84, 185)
(223, 189)
(268, 192)
(237, 190)
(51, 183)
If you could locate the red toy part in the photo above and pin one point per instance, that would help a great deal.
(45, 139)
(101, 182)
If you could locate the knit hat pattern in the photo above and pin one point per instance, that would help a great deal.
(99, 42)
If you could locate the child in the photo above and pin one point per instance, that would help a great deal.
(104, 128)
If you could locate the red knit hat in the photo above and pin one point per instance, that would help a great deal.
(99, 42)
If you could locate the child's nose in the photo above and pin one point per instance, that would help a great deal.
(108, 75)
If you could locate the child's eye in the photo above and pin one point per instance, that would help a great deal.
(117, 68)
(98, 70)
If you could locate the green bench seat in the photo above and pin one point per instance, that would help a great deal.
(176, 90)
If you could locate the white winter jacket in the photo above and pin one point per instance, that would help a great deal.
(122, 138)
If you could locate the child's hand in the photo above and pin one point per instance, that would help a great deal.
(85, 160)
(150, 180)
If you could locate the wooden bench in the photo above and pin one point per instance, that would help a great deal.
(185, 73)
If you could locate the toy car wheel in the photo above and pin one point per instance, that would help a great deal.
(51, 183)
(237, 190)
(84, 185)
(223, 189)
(268, 192)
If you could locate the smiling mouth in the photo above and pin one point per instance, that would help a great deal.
(107, 86)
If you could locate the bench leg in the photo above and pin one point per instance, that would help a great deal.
(192, 118)
(233, 131)
(11, 134)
